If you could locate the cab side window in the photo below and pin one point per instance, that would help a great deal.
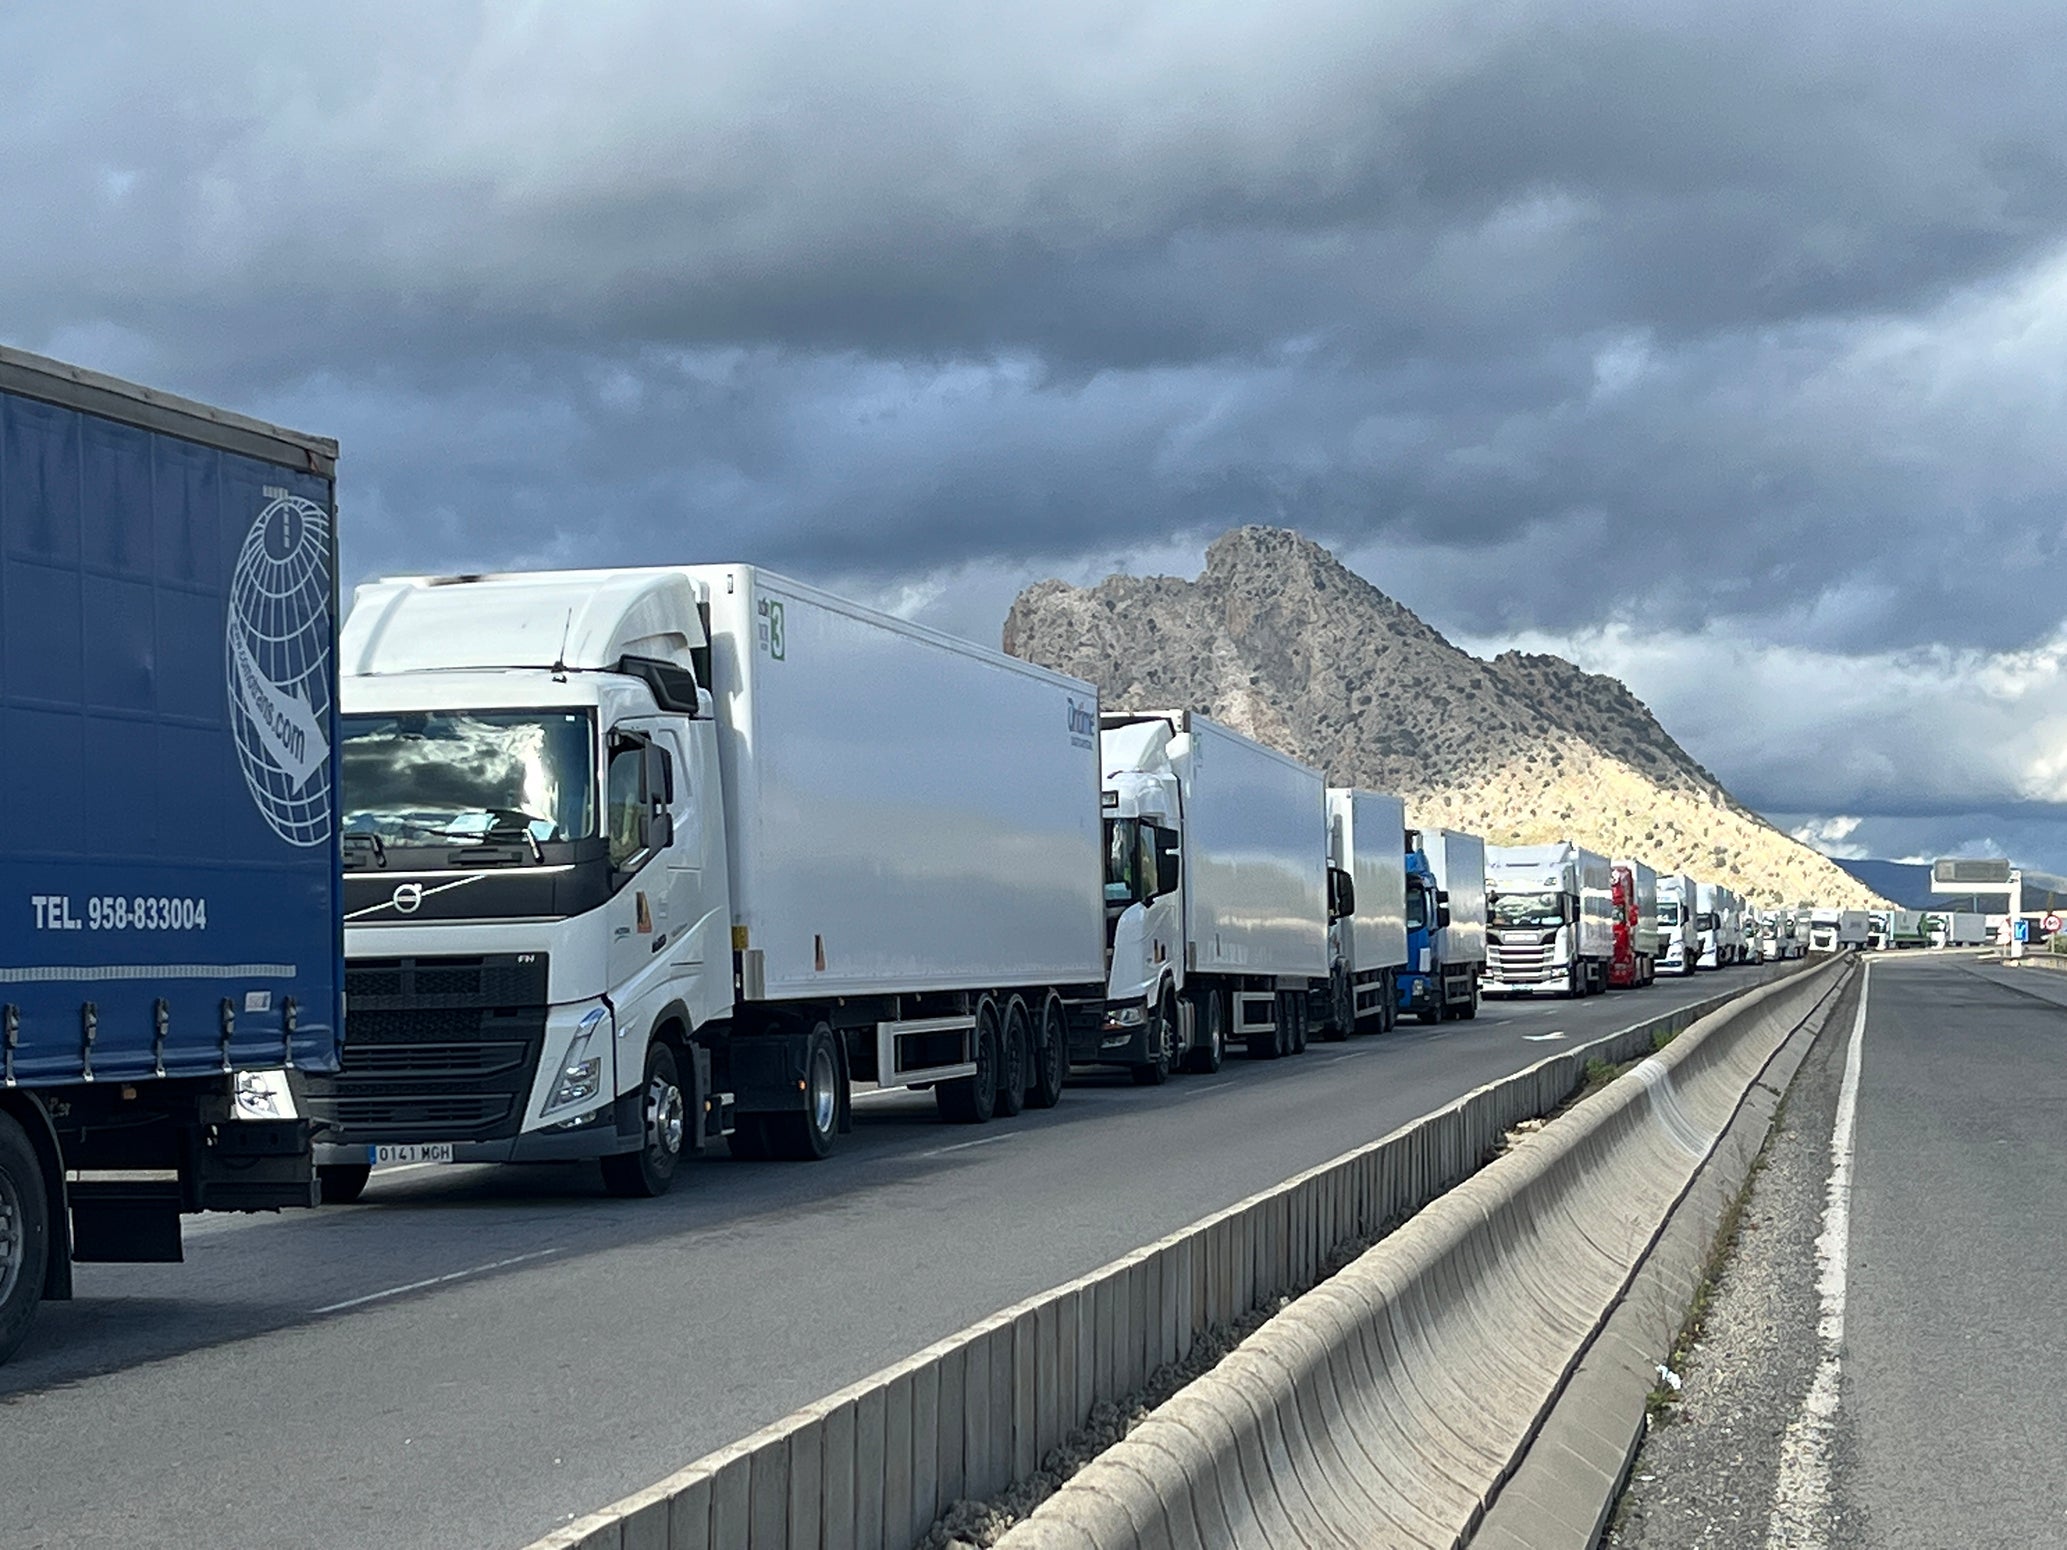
(628, 799)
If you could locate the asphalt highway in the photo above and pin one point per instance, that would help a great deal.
(474, 1356)
(1953, 1424)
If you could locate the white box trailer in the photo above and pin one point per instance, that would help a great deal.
(633, 855)
(905, 813)
(1550, 919)
(1367, 939)
(1216, 894)
(1959, 928)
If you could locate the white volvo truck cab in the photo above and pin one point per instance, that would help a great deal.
(536, 904)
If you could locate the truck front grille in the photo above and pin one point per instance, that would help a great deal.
(436, 1049)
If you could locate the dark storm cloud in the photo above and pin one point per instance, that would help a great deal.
(1747, 319)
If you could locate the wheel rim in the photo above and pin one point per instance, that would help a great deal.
(14, 1242)
(1051, 1055)
(825, 1090)
(664, 1117)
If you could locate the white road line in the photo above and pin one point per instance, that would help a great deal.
(1207, 1087)
(417, 1286)
(963, 1146)
(1543, 1038)
(1801, 1491)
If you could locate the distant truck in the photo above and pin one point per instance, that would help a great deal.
(168, 843)
(1890, 930)
(1679, 939)
(1446, 925)
(1720, 918)
(1367, 911)
(1752, 925)
(1833, 931)
(1227, 941)
(1958, 928)
(1549, 920)
(637, 860)
(1635, 891)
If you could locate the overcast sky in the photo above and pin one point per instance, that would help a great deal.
(1720, 347)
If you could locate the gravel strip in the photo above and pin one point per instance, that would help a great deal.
(1704, 1475)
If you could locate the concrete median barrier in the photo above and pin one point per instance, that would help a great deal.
(1389, 1405)
(875, 1465)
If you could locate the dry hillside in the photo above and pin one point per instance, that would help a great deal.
(1280, 641)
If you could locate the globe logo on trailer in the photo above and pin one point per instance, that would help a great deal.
(277, 648)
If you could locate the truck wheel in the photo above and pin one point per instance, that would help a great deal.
(1341, 1009)
(972, 1100)
(1299, 1007)
(1467, 1009)
(1157, 1071)
(1049, 1067)
(649, 1171)
(1212, 1046)
(24, 1234)
(807, 1136)
(1017, 1051)
(1389, 1005)
(343, 1183)
(1575, 982)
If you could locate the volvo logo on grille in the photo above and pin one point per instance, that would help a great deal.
(408, 898)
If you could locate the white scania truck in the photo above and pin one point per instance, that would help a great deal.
(1679, 940)
(1216, 896)
(1832, 931)
(1550, 919)
(1720, 919)
(634, 859)
(1367, 910)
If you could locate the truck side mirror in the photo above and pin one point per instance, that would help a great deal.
(1442, 911)
(1341, 894)
(1169, 865)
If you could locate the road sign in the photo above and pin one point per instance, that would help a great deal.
(2051, 924)
(2023, 930)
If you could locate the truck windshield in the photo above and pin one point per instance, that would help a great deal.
(1418, 911)
(1668, 912)
(1526, 909)
(466, 777)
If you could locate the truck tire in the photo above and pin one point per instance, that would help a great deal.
(1157, 1071)
(24, 1234)
(1389, 1007)
(972, 1100)
(807, 1135)
(650, 1171)
(1575, 982)
(1467, 1009)
(343, 1183)
(1299, 1018)
(1212, 1046)
(1341, 1008)
(1017, 1053)
(1049, 1068)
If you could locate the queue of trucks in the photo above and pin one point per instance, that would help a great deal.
(624, 865)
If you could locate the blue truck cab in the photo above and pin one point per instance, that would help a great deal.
(1446, 925)
(170, 937)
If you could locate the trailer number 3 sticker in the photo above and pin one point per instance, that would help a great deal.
(771, 630)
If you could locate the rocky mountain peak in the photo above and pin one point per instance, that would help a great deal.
(1280, 640)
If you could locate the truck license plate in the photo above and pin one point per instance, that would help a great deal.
(429, 1152)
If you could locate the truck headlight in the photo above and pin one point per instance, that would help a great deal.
(1130, 1017)
(581, 1074)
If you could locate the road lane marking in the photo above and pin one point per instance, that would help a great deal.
(1543, 1038)
(1801, 1490)
(417, 1286)
(1208, 1087)
(963, 1146)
